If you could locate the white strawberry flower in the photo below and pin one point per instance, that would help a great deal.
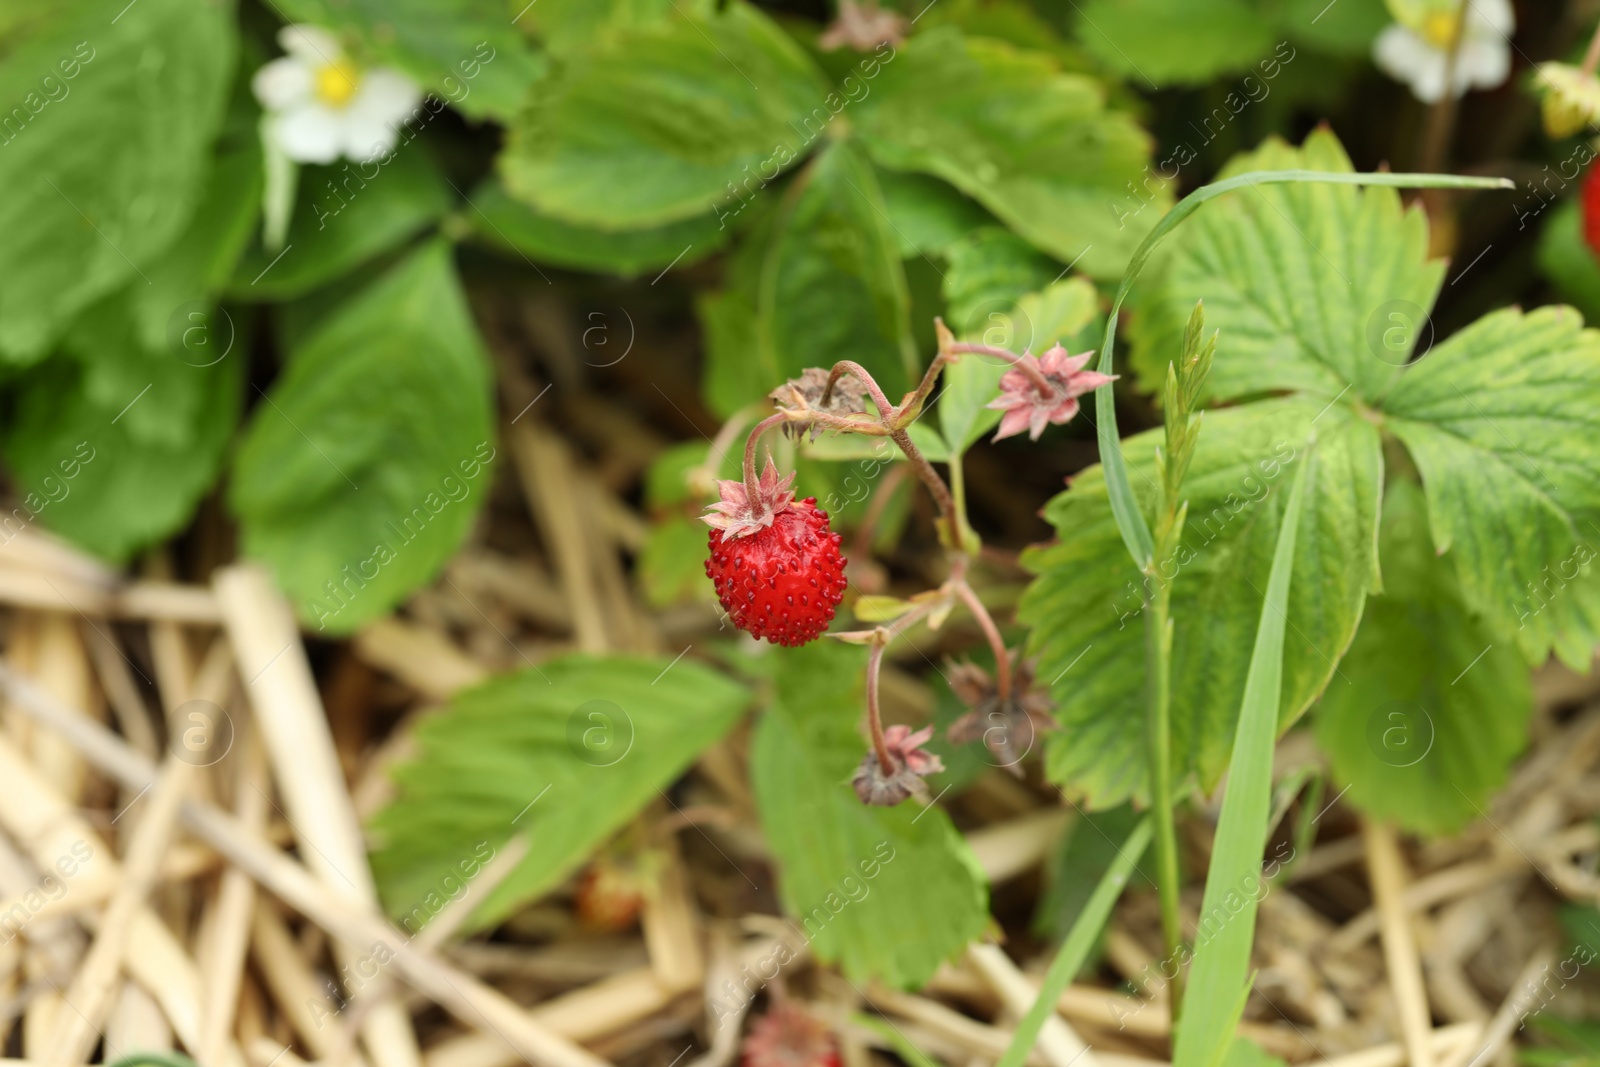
(320, 105)
(1416, 50)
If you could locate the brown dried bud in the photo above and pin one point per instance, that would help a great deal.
(805, 393)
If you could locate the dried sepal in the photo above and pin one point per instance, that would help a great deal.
(908, 766)
(1008, 727)
(804, 394)
(736, 515)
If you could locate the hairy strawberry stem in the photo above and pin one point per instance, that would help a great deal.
(752, 483)
(892, 417)
(874, 719)
(1002, 657)
(846, 366)
(1028, 365)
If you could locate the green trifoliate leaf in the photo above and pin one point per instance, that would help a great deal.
(1086, 605)
(1033, 145)
(565, 753)
(468, 52)
(365, 465)
(1503, 420)
(1431, 708)
(886, 893)
(103, 151)
(832, 285)
(1314, 287)
(667, 122)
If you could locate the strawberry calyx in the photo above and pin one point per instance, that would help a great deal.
(739, 514)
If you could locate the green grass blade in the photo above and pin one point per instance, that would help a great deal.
(1220, 974)
(1080, 940)
(896, 1040)
(1124, 505)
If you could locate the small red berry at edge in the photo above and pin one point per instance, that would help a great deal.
(783, 581)
(1590, 210)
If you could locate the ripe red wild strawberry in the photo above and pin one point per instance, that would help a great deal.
(1591, 210)
(775, 564)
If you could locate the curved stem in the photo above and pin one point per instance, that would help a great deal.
(874, 719)
(1591, 58)
(752, 484)
(935, 484)
(1026, 364)
(1002, 658)
(846, 366)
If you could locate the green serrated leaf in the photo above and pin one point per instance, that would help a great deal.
(564, 753)
(103, 151)
(363, 468)
(1053, 169)
(926, 214)
(666, 122)
(345, 215)
(1430, 710)
(468, 52)
(1159, 43)
(567, 25)
(832, 286)
(1085, 606)
(988, 271)
(504, 223)
(886, 893)
(1503, 420)
(1314, 287)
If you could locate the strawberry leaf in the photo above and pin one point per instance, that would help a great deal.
(566, 753)
(103, 160)
(363, 468)
(657, 123)
(1314, 287)
(832, 285)
(887, 893)
(1033, 145)
(1085, 607)
(1431, 708)
(1503, 420)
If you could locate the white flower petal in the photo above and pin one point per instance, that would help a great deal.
(308, 134)
(283, 83)
(1493, 15)
(1405, 56)
(385, 96)
(1483, 63)
(363, 138)
(313, 44)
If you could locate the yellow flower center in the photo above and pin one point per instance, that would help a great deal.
(1439, 28)
(336, 82)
